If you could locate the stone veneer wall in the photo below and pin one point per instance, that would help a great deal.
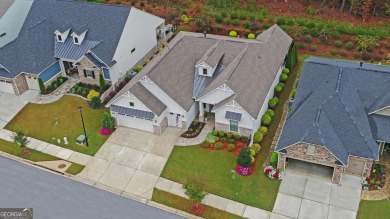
(86, 64)
(367, 168)
(225, 128)
(20, 84)
(221, 127)
(245, 131)
(159, 129)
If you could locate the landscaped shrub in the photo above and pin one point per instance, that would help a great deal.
(244, 138)
(274, 158)
(108, 121)
(302, 45)
(283, 77)
(221, 133)
(260, 18)
(223, 13)
(205, 144)
(42, 87)
(273, 102)
(266, 119)
(83, 93)
(195, 122)
(366, 56)
(315, 32)
(307, 38)
(223, 139)
(338, 44)
(244, 159)
(93, 93)
(237, 137)
(229, 134)
(304, 30)
(231, 147)
(281, 21)
(245, 24)
(227, 21)
(310, 24)
(218, 145)
(138, 68)
(251, 36)
(233, 33)
(356, 55)
(214, 132)
(313, 48)
(184, 18)
(257, 137)
(270, 112)
(263, 130)
(278, 88)
(95, 102)
(319, 42)
(286, 71)
(333, 52)
(231, 141)
(293, 93)
(349, 45)
(343, 53)
(236, 22)
(335, 35)
(256, 148)
(266, 25)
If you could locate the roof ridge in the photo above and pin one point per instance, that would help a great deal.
(208, 53)
(236, 62)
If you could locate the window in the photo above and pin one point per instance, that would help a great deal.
(132, 50)
(76, 40)
(204, 105)
(59, 37)
(205, 71)
(89, 73)
(233, 125)
(311, 149)
(132, 104)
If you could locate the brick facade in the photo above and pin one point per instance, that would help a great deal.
(367, 168)
(20, 84)
(87, 65)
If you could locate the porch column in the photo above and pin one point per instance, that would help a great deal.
(62, 68)
(201, 112)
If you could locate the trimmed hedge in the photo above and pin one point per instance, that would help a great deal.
(263, 130)
(218, 145)
(257, 137)
(233, 33)
(266, 120)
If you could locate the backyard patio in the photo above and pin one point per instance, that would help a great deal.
(50, 122)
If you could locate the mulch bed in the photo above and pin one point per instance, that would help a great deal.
(238, 144)
(377, 178)
(194, 130)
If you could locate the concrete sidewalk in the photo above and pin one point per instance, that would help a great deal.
(200, 138)
(63, 153)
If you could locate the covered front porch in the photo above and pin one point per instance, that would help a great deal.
(205, 111)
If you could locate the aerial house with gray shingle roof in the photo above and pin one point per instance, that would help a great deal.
(340, 119)
(231, 78)
(61, 37)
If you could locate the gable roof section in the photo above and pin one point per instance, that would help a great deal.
(147, 98)
(69, 50)
(381, 103)
(32, 51)
(335, 97)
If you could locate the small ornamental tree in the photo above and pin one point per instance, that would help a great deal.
(41, 86)
(108, 121)
(102, 83)
(20, 137)
(244, 159)
(95, 102)
(194, 189)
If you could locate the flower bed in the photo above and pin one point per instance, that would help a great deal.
(377, 178)
(55, 85)
(273, 173)
(83, 90)
(214, 142)
(194, 129)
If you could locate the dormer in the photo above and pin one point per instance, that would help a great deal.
(204, 69)
(79, 35)
(61, 35)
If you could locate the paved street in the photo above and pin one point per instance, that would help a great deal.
(54, 196)
(305, 197)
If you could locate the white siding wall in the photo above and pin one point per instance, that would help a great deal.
(264, 107)
(216, 96)
(125, 100)
(191, 114)
(246, 119)
(162, 116)
(139, 33)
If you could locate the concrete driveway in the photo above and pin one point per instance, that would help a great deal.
(12, 104)
(304, 197)
(131, 161)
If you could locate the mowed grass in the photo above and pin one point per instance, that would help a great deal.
(216, 167)
(374, 209)
(39, 120)
(35, 156)
(183, 204)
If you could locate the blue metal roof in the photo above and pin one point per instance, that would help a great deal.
(69, 50)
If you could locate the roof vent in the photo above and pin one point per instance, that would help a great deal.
(3, 34)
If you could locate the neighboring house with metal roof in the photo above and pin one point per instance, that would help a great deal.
(340, 118)
(231, 78)
(61, 37)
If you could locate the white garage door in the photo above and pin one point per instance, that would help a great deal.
(32, 82)
(174, 120)
(6, 86)
(133, 122)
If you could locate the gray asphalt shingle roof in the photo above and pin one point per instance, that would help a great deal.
(335, 97)
(33, 50)
(147, 98)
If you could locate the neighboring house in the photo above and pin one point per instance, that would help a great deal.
(232, 78)
(340, 118)
(60, 38)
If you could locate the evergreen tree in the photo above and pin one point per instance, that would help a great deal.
(41, 86)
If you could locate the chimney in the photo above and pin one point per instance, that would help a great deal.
(361, 64)
(205, 33)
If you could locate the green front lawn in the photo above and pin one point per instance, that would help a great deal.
(373, 209)
(61, 119)
(216, 166)
(183, 204)
(35, 156)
